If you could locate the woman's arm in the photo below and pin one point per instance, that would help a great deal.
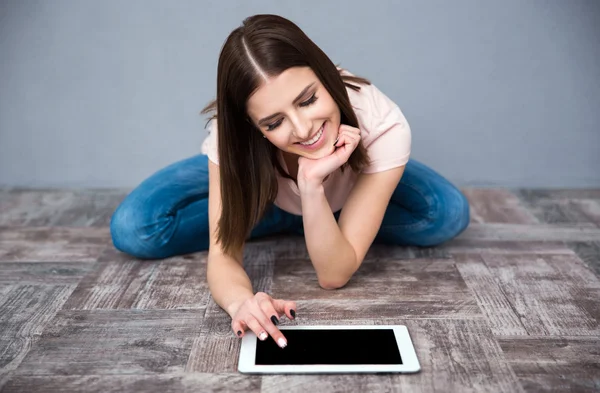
(227, 280)
(337, 249)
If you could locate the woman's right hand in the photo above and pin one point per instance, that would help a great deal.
(261, 314)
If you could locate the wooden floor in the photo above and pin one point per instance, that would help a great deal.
(512, 305)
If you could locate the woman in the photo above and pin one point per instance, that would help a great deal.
(296, 146)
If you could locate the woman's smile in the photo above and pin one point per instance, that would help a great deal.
(316, 141)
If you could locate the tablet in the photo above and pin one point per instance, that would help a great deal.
(331, 349)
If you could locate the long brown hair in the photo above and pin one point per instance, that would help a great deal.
(268, 45)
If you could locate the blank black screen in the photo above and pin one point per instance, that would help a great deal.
(360, 346)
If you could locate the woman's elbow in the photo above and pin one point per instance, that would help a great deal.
(333, 284)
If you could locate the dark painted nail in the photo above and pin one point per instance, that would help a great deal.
(239, 333)
(293, 313)
(274, 320)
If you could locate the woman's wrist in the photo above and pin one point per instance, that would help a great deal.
(234, 306)
(308, 188)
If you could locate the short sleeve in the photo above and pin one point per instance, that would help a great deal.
(210, 146)
(385, 131)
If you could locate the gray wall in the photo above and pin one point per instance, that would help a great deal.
(104, 93)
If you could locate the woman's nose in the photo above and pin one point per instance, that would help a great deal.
(303, 129)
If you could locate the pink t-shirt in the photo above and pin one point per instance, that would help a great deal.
(385, 133)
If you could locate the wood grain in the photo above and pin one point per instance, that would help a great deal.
(540, 232)
(589, 252)
(52, 244)
(216, 349)
(511, 305)
(554, 364)
(457, 356)
(165, 284)
(414, 279)
(76, 208)
(566, 206)
(461, 246)
(102, 342)
(158, 383)
(502, 317)
(546, 300)
(25, 310)
(341, 383)
(497, 206)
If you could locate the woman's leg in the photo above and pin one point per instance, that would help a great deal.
(167, 214)
(425, 209)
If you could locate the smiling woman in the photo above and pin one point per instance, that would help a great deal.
(296, 145)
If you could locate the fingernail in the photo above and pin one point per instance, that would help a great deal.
(239, 333)
(336, 141)
(282, 343)
(293, 313)
(262, 336)
(274, 320)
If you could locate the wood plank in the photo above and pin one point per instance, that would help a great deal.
(258, 264)
(568, 193)
(455, 355)
(463, 246)
(118, 342)
(584, 286)
(418, 288)
(328, 383)
(46, 273)
(554, 364)
(52, 244)
(539, 232)
(544, 297)
(77, 208)
(294, 248)
(25, 310)
(497, 206)
(589, 252)
(216, 349)
(387, 309)
(414, 279)
(563, 206)
(168, 383)
(501, 315)
(172, 283)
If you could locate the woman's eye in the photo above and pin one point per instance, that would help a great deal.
(273, 126)
(312, 99)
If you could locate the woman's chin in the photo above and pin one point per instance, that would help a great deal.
(321, 153)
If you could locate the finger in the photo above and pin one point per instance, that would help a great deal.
(239, 328)
(351, 135)
(260, 332)
(341, 140)
(269, 319)
(346, 144)
(345, 127)
(285, 307)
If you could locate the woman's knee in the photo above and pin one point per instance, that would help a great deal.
(126, 235)
(450, 217)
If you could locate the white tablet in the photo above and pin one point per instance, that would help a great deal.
(331, 349)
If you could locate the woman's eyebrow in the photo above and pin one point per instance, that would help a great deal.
(302, 93)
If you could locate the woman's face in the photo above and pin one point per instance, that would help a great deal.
(296, 113)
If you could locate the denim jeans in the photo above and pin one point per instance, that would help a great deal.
(167, 214)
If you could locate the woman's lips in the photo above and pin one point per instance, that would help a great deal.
(318, 143)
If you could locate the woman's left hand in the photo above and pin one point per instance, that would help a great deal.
(313, 172)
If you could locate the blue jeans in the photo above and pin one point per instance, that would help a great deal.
(167, 214)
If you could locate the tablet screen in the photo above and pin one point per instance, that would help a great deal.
(346, 346)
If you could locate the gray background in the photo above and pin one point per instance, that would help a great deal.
(104, 93)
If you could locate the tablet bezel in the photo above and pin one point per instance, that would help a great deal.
(405, 346)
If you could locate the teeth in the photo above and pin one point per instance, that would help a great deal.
(316, 137)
